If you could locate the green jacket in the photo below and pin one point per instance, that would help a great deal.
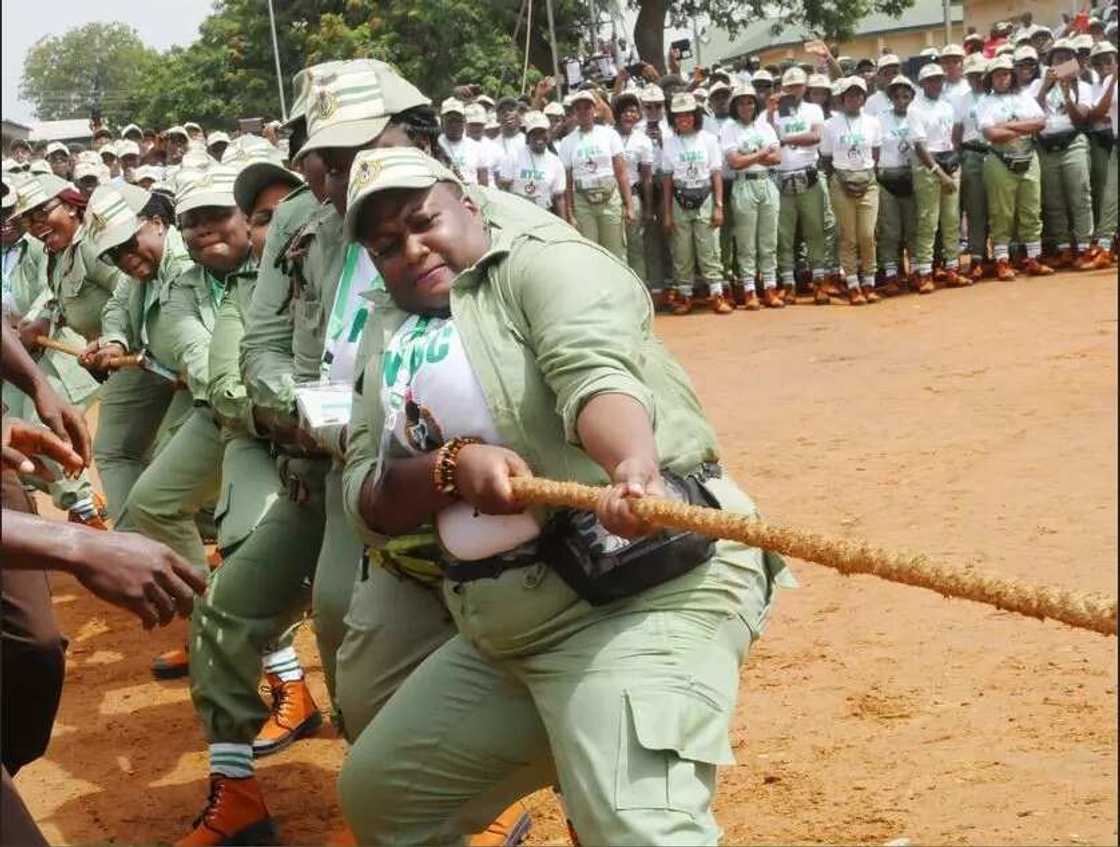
(81, 285)
(548, 320)
(226, 392)
(30, 293)
(128, 316)
(267, 349)
(182, 328)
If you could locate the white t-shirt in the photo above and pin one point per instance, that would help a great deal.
(348, 315)
(877, 103)
(1098, 95)
(467, 155)
(715, 127)
(589, 155)
(748, 138)
(897, 149)
(953, 90)
(966, 109)
(536, 178)
(849, 141)
(800, 120)
(430, 394)
(691, 159)
(1057, 117)
(506, 147)
(637, 150)
(936, 118)
(1003, 108)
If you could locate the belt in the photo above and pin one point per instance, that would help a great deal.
(494, 566)
(974, 147)
(754, 175)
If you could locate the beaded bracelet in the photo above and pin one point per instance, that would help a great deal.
(443, 471)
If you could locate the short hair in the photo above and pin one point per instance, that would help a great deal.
(160, 205)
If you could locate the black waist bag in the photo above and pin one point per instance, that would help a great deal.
(1057, 142)
(949, 161)
(1017, 164)
(1102, 137)
(898, 181)
(691, 198)
(602, 568)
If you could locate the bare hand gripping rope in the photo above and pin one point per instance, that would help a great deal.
(1095, 612)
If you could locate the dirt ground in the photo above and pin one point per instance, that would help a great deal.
(978, 426)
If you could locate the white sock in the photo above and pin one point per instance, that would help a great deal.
(1034, 249)
(853, 281)
(233, 760)
(284, 663)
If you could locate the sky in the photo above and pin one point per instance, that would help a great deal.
(160, 23)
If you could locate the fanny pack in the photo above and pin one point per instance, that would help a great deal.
(597, 195)
(855, 183)
(602, 568)
(949, 161)
(1102, 137)
(1017, 163)
(797, 182)
(691, 198)
(898, 181)
(974, 147)
(1057, 142)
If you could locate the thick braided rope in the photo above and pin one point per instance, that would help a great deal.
(1095, 612)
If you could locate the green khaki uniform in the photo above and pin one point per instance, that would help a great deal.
(728, 254)
(503, 707)
(26, 292)
(805, 210)
(601, 220)
(831, 233)
(694, 244)
(1067, 197)
(898, 220)
(1014, 204)
(283, 345)
(81, 285)
(1103, 157)
(269, 542)
(974, 202)
(756, 204)
(938, 210)
(185, 476)
(139, 410)
(856, 218)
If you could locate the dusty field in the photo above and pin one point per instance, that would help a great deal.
(978, 425)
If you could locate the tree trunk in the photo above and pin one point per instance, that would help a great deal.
(649, 32)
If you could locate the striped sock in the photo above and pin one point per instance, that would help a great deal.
(232, 760)
(284, 663)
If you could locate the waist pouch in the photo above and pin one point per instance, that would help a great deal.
(754, 175)
(949, 161)
(855, 183)
(691, 198)
(975, 147)
(898, 181)
(602, 568)
(597, 195)
(797, 182)
(1102, 137)
(1057, 142)
(1017, 163)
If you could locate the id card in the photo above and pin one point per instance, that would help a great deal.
(324, 404)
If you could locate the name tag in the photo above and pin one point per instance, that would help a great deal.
(324, 405)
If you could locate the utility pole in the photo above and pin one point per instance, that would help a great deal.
(276, 56)
(948, 21)
(555, 49)
(696, 41)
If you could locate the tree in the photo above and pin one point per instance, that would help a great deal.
(97, 65)
(830, 20)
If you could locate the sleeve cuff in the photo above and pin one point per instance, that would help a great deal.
(355, 476)
(609, 383)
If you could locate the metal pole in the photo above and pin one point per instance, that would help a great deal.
(555, 49)
(276, 56)
(948, 22)
(696, 41)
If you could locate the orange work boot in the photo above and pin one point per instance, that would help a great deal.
(680, 304)
(720, 305)
(294, 715)
(508, 830)
(95, 516)
(890, 288)
(925, 284)
(869, 294)
(976, 271)
(830, 286)
(771, 299)
(856, 298)
(820, 296)
(1087, 261)
(1105, 260)
(751, 303)
(789, 294)
(1004, 271)
(1062, 259)
(1036, 268)
(954, 279)
(234, 814)
(172, 664)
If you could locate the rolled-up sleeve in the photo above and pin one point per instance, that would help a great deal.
(362, 447)
(588, 318)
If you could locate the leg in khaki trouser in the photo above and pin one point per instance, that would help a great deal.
(1105, 211)
(134, 403)
(181, 480)
(856, 218)
(897, 220)
(937, 208)
(727, 245)
(974, 202)
(756, 230)
(604, 223)
(635, 243)
(806, 210)
(1014, 206)
(695, 244)
(1067, 197)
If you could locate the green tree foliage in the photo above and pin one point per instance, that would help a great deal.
(99, 64)
(831, 20)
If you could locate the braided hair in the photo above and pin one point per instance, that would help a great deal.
(421, 125)
(160, 206)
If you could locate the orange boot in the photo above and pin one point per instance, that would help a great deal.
(1105, 260)
(679, 304)
(771, 299)
(1064, 258)
(172, 664)
(1035, 268)
(508, 830)
(1004, 271)
(1087, 261)
(235, 814)
(294, 715)
(720, 305)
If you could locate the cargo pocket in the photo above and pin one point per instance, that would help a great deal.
(670, 742)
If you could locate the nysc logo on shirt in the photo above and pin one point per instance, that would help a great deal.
(367, 172)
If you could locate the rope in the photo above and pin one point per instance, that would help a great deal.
(1083, 610)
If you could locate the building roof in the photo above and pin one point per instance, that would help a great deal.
(68, 130)
(770, 33)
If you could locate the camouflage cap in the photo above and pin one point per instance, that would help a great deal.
(554, 108)
(34, 192)
(111, 215)
(177, 130)
(975, 63)
(130, 130)
(56, 147)
(126, 147)
(259, 164)
(386, 168)
(535, 120)
(819, 81)
(216, 137)
(39, 167)
(683, 102)
(476, 113)
(152, 172)
(85, 170)
(351, 103)
(198, 187)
